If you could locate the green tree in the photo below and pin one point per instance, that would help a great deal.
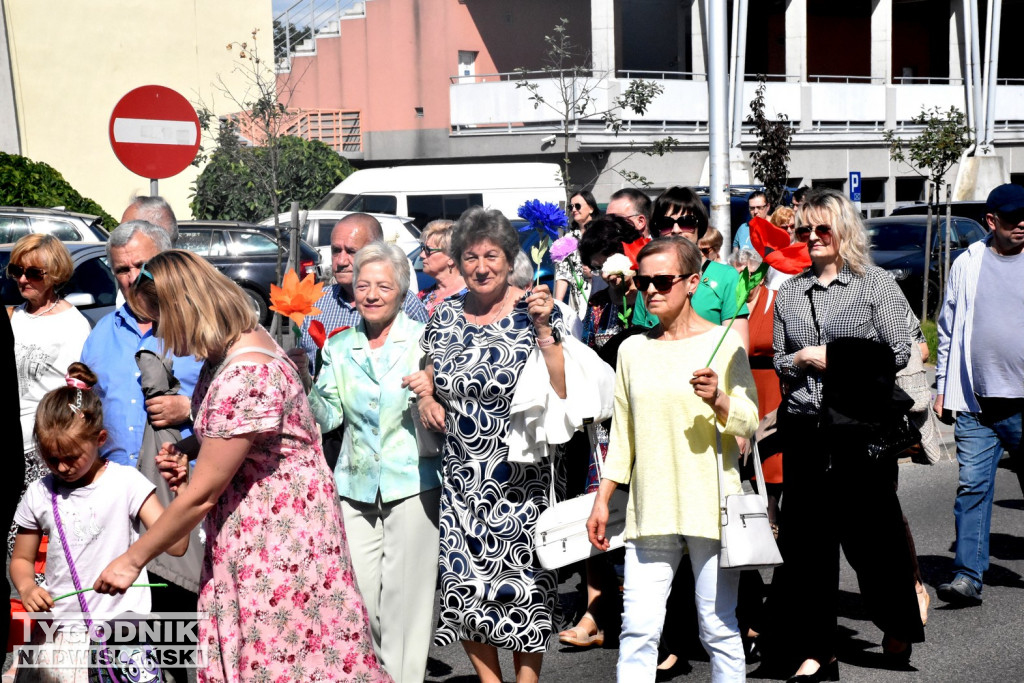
(940, 144)
(229, 188)
(569, 67)
(770, 161)
(24, 182)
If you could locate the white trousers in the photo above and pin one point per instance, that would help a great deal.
(651, 564)
(394, 549)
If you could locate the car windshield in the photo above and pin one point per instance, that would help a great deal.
(335, 201)
(896, 236)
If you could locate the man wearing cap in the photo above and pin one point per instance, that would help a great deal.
(980, 376)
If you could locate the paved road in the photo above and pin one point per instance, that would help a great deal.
(976, 644)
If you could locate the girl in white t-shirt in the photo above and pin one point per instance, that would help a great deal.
(100, 506)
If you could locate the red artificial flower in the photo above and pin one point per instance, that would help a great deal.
(319, 333)
(764, 235)
(631, 249)
(791, 260)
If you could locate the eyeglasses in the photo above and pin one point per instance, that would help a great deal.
(576, 207)
(143, 273)
(754, 208)
(662, 283)
(824, 232)
(32, 273)
(430, 251)
(685, 222)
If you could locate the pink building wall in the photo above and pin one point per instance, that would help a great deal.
(402, 54)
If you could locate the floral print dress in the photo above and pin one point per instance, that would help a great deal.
(277, 578)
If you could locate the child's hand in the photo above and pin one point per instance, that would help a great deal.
(173, 465)
(36, 599)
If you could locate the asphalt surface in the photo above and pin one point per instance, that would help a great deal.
(971, 644)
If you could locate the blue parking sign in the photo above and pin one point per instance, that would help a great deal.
(854, 186)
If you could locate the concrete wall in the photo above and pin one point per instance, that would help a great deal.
(72, 61)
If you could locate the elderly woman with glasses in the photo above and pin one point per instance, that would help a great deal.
(836, 495)
(48, 331)
(389, 493)
(664, 446)
(436, 239)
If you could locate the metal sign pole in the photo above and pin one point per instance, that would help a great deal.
(153, 187)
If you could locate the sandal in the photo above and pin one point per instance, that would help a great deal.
(577, 636)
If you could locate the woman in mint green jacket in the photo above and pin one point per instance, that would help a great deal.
(389, 493)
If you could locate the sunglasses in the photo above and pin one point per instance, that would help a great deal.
(576, 207)
(685, 222)
(430, 251)
(824, 232)
(32, 273)
(662, 283)
(143, 273)
(1011, 218)
(706, 251)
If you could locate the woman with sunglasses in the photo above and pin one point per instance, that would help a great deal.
(436, 239)
(572, 275)
(785, 218)
(836, 495)
(48, 331)
(663, 444)
(679, 211)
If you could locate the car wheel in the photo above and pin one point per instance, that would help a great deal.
(259, 305)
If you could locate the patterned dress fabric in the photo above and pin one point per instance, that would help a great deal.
(277, 578)
(492, 591)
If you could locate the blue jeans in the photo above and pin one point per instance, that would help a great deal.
(980, 441)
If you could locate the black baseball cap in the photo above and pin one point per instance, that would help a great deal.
(1006, 199)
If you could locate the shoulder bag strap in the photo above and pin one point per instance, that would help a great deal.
(67, 556)
(758, 471)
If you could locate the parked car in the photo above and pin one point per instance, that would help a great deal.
(316, 230)
(897, 245)
(246, 253)
(92, 289)
(67, 226)
(974, 210)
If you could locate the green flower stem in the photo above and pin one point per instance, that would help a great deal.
(134, 585)
(719, 344)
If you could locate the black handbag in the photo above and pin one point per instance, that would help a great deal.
(891, 442)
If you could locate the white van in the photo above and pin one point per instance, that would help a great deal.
(446, 190)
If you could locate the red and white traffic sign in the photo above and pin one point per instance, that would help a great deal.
(154, 132)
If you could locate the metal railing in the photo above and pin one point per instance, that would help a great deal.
(512, 76)
(927, 80)
(304, 20)
(824, 78)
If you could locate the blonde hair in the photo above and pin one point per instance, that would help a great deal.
(441, 230)
(712, 238)
(848, 231)
(56, 260)
(199, 311)
(68, 417)
(782, 216)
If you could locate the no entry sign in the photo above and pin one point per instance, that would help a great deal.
(154, 132)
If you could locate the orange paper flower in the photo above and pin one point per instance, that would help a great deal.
(296, 299)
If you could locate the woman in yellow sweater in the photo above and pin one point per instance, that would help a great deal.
(663, 445)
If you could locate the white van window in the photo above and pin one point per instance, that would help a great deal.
(323, 231)
(335, 201)
(427, 207)
(374, 203)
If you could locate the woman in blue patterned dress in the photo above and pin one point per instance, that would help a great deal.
(492, 594)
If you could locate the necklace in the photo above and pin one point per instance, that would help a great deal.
(496, 313)
(40, 314)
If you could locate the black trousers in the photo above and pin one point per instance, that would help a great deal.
(836, 497)
(174, 599)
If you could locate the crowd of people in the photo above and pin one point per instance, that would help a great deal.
(316, 498)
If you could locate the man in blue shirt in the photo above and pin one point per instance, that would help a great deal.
(758, 206)
(352, 233)
(110, 353)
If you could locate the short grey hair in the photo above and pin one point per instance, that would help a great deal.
(478, 224)
(522, 271)
(745, 258)
(388, 253)
(124, 233)
(157, 211)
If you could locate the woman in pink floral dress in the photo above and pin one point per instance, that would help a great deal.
(277, 579)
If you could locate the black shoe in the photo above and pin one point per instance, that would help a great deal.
(960, 591)
(825, 672)
(896, 658)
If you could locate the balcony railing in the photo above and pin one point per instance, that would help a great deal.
(337, 128)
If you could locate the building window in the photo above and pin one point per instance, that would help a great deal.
(467, 66)
(419, 112)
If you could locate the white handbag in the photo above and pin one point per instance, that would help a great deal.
(747, 538)
(560, 536)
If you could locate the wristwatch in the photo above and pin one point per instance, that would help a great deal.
(554, 338)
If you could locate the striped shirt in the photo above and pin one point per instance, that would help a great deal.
(809, 313)
(956, 324)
